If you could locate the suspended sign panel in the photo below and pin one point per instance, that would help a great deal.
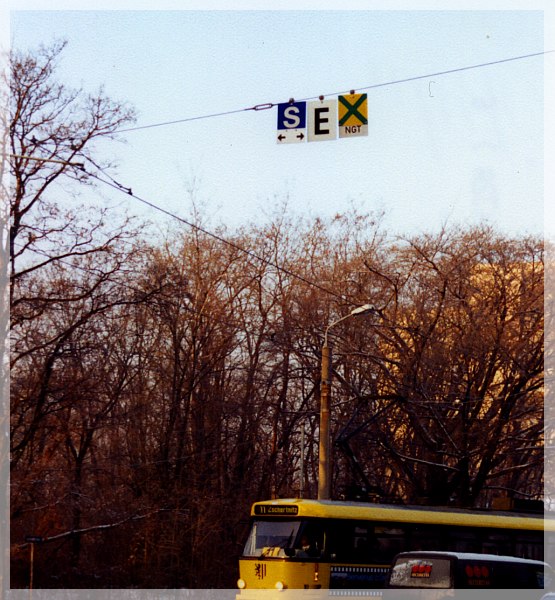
(322, 120)
(353, 115)
(291, 122)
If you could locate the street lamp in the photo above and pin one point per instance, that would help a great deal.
(324, 452)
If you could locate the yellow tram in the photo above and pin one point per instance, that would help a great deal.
(323, 544)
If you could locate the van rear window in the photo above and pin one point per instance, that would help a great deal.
(477, 575)
(421, 573)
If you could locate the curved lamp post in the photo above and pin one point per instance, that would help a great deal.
(324, 452)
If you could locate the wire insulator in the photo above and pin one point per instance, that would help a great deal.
(263, 106)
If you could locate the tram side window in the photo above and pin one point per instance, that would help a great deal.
(365, 544)
(426, 537)
(354, 541)
(462, 539)
(497, 542)
(340, 540)
(310, 542)
(392, 539)
(529, 545)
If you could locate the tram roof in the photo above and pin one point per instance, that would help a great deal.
(331, 509)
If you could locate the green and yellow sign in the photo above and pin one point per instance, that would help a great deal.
(352, 113)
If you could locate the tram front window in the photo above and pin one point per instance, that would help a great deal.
(271, 538)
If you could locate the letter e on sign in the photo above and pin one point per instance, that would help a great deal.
(322, 120)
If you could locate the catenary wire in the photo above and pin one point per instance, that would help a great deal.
(268, 105)
(116, 185)
(127, 190)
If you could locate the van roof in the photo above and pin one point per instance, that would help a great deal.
(471, 556)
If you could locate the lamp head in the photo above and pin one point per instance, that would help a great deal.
(365, 309)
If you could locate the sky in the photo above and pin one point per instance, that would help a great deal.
(458, 148)
(467, 147)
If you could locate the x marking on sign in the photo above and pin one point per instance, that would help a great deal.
(352, 110)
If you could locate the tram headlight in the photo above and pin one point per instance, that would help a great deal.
(241, 584)
(280, 586)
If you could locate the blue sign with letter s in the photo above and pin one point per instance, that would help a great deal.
(291, 115)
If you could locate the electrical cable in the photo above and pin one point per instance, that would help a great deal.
(437, 74)
(268, 105)
(127, 190)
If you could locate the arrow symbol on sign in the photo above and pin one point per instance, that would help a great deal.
(301, 136)
(281, 137)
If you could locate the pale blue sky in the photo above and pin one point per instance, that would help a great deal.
(455, 148)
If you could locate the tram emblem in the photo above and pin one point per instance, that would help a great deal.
(260, 570)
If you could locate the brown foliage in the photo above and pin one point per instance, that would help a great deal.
(158, 390)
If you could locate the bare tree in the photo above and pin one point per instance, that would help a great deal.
(456, 368)
(157, 395)
(69, 268)
(52, 132)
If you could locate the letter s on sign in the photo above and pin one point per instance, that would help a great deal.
(291, 113)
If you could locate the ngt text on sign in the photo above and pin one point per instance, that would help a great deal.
(353, 115)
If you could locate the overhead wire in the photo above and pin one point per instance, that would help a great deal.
(437, 74)
(127, 190)
(268, 105)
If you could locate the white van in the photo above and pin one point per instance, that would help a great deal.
(443, 571)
